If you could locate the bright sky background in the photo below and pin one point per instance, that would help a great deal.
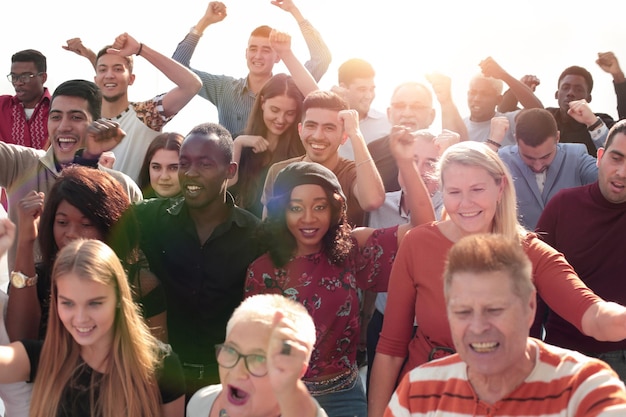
(403, 39)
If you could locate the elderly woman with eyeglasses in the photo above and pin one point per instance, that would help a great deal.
(269, 340)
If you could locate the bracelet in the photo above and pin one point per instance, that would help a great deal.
(195, 31)
(494, 143)
(139, 50)
(362, 162)
(596, 125)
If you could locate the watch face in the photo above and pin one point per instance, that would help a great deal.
(18, 280)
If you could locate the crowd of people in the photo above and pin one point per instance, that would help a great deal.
(250, 266)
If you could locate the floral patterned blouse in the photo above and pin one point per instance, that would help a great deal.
(329, 293)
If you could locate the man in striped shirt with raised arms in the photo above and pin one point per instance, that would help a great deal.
(498, 370)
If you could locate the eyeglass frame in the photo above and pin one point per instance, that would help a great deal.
(24, 77)
(220, 346)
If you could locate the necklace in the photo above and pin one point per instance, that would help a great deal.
(119, 116)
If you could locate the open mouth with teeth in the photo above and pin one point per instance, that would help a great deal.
(192, 189)
(484, 347)
(237, 396)
(66, 144)
(84, 330)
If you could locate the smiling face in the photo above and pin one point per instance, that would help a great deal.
(482, 99)
(308, 216)
(163, 172)
(470, 196)
(245, 395)
(113, 77)
(321, 133)
(87, 310)
(71, 224)
(203, 171)
(279, 113)
(489, 323)
(31, 91)
(412, 107)
(612, 170)
(260, 57)
(68, 121)
(360, 94)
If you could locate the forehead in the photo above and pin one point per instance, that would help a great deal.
(308, 191)
(362, 82)
(111, 60)
(22, 67)
(425, 148)
(412, 94)
(618, 144)
(258, 41)
(465, 174)
(574, 80)
(165, 155)
(321, 116)
(201, 145)
(483, 85)
(480, 287)
(66, 104)
(75, 287)
(540, 150)
(249, 335)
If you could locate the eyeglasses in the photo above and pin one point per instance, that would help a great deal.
(228, 357)
(23, 78)
(400, 105)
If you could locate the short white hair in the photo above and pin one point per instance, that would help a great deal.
(261, 308)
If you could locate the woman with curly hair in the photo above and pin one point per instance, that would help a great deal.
(315, 257)
(83, 203)
(98, 358)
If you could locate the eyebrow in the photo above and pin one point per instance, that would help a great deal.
(91, 299)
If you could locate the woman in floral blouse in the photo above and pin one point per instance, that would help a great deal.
(315, 258)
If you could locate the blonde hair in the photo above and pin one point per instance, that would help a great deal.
(484, 253)
(261, 308)
(478, 154)
(128, 386)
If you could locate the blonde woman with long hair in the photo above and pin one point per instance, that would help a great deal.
(478, 197)
(98, 358)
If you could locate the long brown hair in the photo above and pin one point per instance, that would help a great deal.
(128, 386)
(289, 144)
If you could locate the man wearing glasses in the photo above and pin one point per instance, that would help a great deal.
(24, 116)
(412, 107)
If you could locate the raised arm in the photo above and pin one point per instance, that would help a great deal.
(609, 63)
(187, 83)
(23, 309)
(450, 117)
(320, 54)
(257, 143)
(509, 100)
(401, 143)
(76, 45)
(368, 187)
(286, 370)
(580, 111)
(281, 43)
(7, 235)
(522, 92)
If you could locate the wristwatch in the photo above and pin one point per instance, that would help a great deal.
(19, 280)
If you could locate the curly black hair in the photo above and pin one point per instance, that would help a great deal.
(278, 241)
